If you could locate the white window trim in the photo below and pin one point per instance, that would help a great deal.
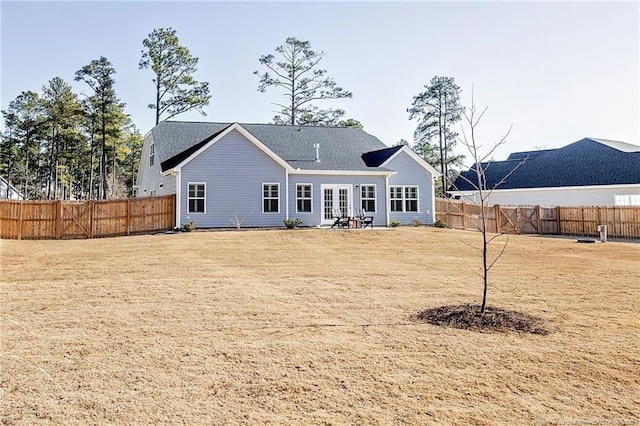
(152, 154)
(375, 196)
(417, 198)
(263, 198)
(304, 198)
(197, 198)
(404, 198)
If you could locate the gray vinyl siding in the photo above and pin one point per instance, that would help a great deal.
(411, 173)
(150, 178)
(315, 217)
(234, 170)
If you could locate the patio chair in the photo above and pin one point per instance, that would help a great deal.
(365, 219)
(340, 220)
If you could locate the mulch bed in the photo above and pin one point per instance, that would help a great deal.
(468, 317)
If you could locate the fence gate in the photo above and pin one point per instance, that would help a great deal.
(46, 219)
(76, 220)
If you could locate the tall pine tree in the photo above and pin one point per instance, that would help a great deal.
(99, 77)
(173, 65)
(297, 73)
(437, 109)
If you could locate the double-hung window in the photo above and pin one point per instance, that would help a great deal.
(152, 154)
(303, 198)
(410, 198)
(404, 198)
(395, 195)
(270, 198)
(368, 198)
(196, 198)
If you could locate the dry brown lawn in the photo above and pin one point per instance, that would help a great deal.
(312, 327)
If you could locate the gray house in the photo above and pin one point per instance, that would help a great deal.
(260, 174)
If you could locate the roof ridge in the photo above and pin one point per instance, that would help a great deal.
(618, 145)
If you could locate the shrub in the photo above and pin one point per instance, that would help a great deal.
(291, 223)
(440, 224)
(394, 223)
(189, 226)
(417, 223)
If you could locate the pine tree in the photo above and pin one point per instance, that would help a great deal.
(297, 73)
(99, 76)
(437, 109)
(173, 65)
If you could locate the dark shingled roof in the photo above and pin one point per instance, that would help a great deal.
(587, 162)
(341, 148)
(376, 158)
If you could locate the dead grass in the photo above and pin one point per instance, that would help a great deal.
(313, 327)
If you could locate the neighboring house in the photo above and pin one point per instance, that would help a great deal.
(260, 174)
(8, 192)
(592, 172)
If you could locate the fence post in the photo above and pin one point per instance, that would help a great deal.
(59, 223)
(464, 216)
(558, 222)
(91, 225)
(21, 220)
(128, 216)
(498, 219)
(539, 214)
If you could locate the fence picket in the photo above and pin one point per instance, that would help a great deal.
(621, 221)
(84, 219)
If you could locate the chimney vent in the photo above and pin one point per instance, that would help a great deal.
(316, 146)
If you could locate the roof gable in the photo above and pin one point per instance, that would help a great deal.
(411, 153)
(587, 162)
(219, 135)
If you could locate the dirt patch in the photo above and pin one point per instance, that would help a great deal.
(469, 317)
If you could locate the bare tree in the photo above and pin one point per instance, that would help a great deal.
(477, 179)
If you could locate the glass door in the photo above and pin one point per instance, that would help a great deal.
(335, 197)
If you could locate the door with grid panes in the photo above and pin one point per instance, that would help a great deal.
(335, 197)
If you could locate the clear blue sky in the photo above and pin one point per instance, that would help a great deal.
(557, 71)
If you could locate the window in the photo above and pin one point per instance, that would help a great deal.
(303, 198)
(396, 198)
(404, 198)
(626, 200)
(152, 154)
(410, 198)
(368, 198)
(196, 198)
(270, 198)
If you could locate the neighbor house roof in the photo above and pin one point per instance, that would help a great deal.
(341, 148)
(587, 162)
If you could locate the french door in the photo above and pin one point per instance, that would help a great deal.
(335, 197)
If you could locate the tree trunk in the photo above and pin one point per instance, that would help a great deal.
(26, 171)
(51, 162)
(103, 157)
(441, 150)
(91, 161)
(158, 100)
(445, 172)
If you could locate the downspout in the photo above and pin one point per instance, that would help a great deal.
(433, 199)
(286, 193)
(178, 193)
(387, 197)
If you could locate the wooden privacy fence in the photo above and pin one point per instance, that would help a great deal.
(622, 222)
(85, 219)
